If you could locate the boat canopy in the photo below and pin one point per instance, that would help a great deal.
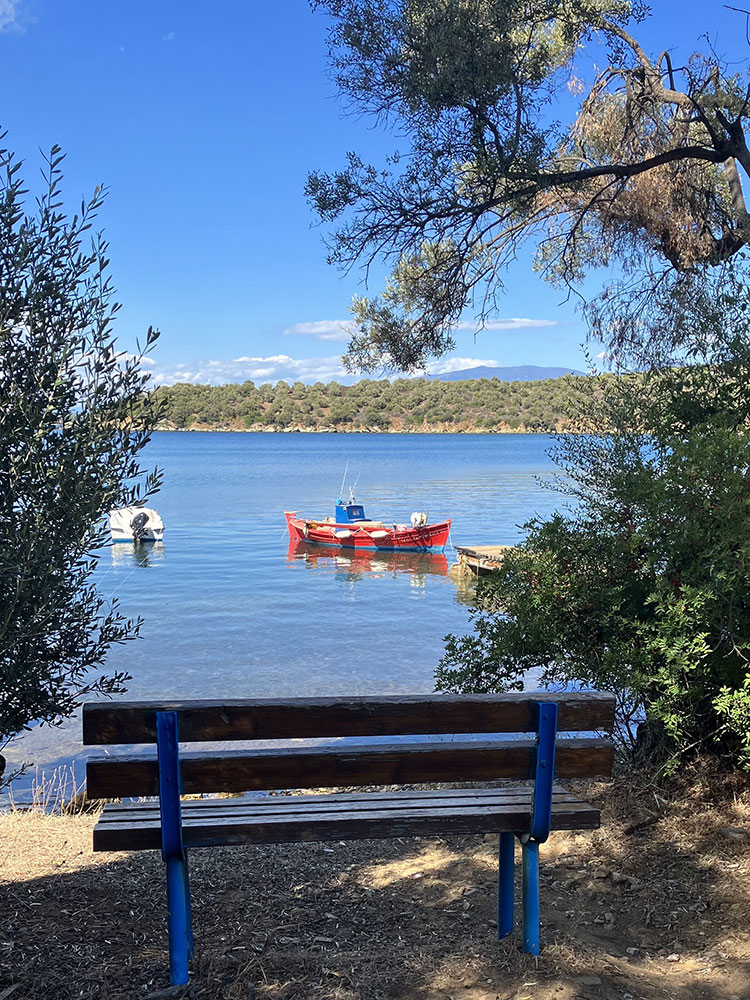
(346, 513)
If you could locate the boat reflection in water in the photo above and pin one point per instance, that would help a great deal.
(357, 563)
(137, 554)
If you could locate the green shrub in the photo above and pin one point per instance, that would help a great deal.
(69, 403)
(642, 587)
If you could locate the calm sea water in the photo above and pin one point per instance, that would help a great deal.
(232, 611)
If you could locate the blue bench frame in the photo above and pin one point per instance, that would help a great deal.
(179, 911)
(539, 829)
(179, 914)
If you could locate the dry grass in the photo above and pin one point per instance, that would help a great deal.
(56, 792)
(395, 920)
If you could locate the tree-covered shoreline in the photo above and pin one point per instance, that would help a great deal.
(401, 406)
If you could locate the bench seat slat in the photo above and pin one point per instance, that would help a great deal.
(210, 822)
(367, 801)
(106, 723)
(344, 765)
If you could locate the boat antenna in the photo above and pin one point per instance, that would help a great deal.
(343, 481)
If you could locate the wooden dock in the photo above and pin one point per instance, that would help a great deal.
(478, 559)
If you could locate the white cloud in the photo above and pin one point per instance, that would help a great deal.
(283, 366)
(322, 329)
(342, 329)
(9, 10)
(515, 323)
(143, 359)
(268, 369)
(275, 367)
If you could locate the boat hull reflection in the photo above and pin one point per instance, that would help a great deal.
(137, 554)
(373, 562)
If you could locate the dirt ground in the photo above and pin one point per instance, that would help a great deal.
(663, 912)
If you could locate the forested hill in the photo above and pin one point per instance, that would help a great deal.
(486, 405)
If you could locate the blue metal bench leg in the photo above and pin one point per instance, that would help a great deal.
(506, 846)
(531, 898)
(541, 819)
(189, 910)
(178, 922)
(179, 919)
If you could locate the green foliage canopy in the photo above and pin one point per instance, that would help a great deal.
(641, 170)
(68, 452)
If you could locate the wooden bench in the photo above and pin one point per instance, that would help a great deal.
(528, 812)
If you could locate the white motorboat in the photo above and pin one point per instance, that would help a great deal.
(136, 524)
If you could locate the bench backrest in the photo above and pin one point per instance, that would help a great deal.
(343, 763)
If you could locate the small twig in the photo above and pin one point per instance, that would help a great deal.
(651, 820)
(642, 824)
(741, 10)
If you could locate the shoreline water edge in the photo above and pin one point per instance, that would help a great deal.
(411, 431)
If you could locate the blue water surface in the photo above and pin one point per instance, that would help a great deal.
(232, 611)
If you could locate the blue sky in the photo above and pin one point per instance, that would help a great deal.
(203, 121)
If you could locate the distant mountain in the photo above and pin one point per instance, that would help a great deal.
(522, 373)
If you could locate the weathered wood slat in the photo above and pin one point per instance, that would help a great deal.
(342, 765)
(106, 723)
(306, 818)
(346, 802)
(290, 804)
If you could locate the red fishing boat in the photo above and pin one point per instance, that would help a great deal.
(351, 529)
